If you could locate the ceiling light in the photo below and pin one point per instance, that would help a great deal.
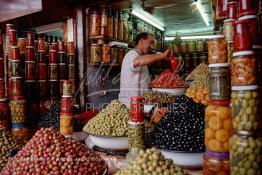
(202, 11)
(146, 19)
(190, 37)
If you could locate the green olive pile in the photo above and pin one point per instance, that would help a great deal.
(151, 162)
(245, 110)
(111, 121)
(202, 68)
(49, 152)
(152, 97)
(201, 81)
(245, 155)
(7, 143)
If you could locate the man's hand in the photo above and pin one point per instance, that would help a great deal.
(169, 54)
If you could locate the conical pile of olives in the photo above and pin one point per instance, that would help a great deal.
(151, 162)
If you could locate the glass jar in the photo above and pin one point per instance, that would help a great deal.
(125, 30)
(217, 49)
(42, 71)
(232, 8)
(230, 50)
(115, 31)
(66, 124)
(21, 44)
(12, 37)
(120, 27)
(191, 46)
(15, 53)
(137, 109)
(41, 57)
(66, 105)
(29, 53)
(52, 56)
(245, 154)
(18, 109)
(15, 68)
(110, 23)
(245, 104)
(219, 127)
(66, 88)
(219, 81)
(70, 47)
(114, 55)
(136, 133)
(245, 7)
(242, 35)
(199, 46)
(54, 88)
(254, 27)
(183, 47)
(222, 7)
(244, 68)
(229, 29)
(216, 163)
(53, 71)
(195, 59)
(95, 23)
(16, 87)
(63, 73)
(96, 53)
(203, 58)
(30, 70)
(120, 55)
(105, 54)
(71, 71)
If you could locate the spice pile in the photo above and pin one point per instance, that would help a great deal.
(182, 128)
(151, 162)
(49, 152)
(168, 79)
(152, 97)
(202, 68)
(7, 143)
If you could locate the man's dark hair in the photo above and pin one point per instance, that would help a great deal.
(141, 35)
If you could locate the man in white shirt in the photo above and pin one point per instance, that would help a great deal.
(134, 79)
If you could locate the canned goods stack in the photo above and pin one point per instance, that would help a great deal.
(62, 64)
(218, 116)
(66, 115)
(245, 97)
(71, 64)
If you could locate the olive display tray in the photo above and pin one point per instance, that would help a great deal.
(189, 160)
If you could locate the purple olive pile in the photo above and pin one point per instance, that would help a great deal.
(48, 152)
(182, 128)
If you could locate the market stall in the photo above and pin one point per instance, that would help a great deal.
(60, 79)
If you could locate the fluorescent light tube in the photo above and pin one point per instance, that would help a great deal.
(190, 37)
(139, 15)
(202, 12)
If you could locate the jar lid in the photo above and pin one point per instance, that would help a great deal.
(229, 20)
(70, 42)
(219, 65)
(14, 78)
(71, 65)
(216, 36)
(66, 96)
(41, 51)
(244, 88)
(3, 99)
(52, 51)
(94, 44)
(232, 2)
(219, 102)
(242, 53)
(21, 38)
(54, 43)
(247, 17)
(17, 98)
(130, 122)
(14, 47)
(224, 155)
(61, 64)
(138, 98)
(72, 53)
(63, 52)
(18, 126)
(29, 47)
(244, 133)
(257, 46)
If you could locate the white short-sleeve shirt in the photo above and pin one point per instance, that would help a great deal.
(134, 81)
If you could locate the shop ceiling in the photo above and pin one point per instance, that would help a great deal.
(176, 15)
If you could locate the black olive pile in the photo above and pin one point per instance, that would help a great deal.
(182, 128)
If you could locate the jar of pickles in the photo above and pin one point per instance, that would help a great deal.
(105, 54)
(230, 50)
(244, 68)
(245, 104)
(66, 125)
(245, 154)
(95, 23)
(16, 87)
(183, 47)
(191, 46)
(199, 46)
(219, 81)
(217, 49)
(218, 125)
(216, 163)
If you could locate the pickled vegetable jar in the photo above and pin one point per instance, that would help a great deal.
(242, 35)
(219, 81)
(95, 23)
(244, 68)
(230, 50)
(218, 126)
(216, 163)
(16, 87)
(199, 46)
(191, 46)
(96, 53)
(17, 107)
(217, 49)
(183, 47)
(254, 23)
(245, 154)
(245, 104)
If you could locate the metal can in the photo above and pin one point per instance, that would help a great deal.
(96, 53)
(15, 68)
(199, 46)
(120, 55)
(2, 68)
(54, 88)
(4, 109)
(66, 124)
(30, 39)
(66, 88)
(21, 44)
(114, 55)
(2, 88)
(30, 70)
(42, 71)
(41, 45)
(41, 57)
(217, 49)
(16, 87)
(29, 53)
(191, 46)
(66, 105)
(71, 71)
(15, 53)
(62, 57)
(228, 29)
(12, 37)
(61, 47)
(71, 59)
(70, 48)
(219, 81)
(105, 54)
(42, 84)
(52, 56)
(62, 71)
(18, 110)
(52, 71)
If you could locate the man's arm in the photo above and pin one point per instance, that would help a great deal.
(148, 59)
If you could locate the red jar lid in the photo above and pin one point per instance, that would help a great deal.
(219, 102)
(29, 47)
(138, 98)
(243, 21)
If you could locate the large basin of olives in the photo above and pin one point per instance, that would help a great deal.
(190, 160)
(173, 91)
(110, 142)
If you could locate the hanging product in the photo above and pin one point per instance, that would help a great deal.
(217, 49)
(95, 23)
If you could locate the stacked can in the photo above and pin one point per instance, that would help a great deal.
(246, 143)
(66, 115)
(71, 64)
(218, 114)
(62, 64)
(53, 72)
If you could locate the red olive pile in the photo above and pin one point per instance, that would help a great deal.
(48, 152)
